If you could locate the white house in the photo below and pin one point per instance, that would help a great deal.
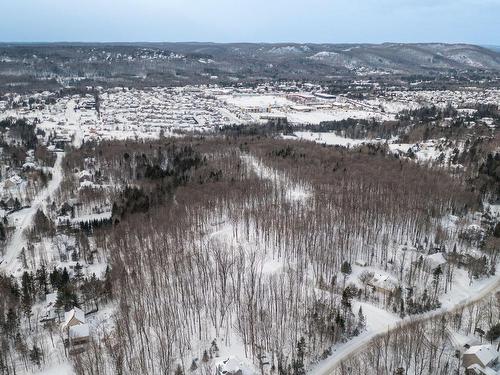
(481, 359)
(76, 329)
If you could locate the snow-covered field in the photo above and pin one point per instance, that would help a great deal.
(330, 139)
(431, 151)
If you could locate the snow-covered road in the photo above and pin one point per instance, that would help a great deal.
(356, 345)
(10, 264)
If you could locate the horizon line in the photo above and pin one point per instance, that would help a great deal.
(241, 42)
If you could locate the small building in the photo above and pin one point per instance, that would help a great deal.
(256, 109)
(84, 176)
(12, 182)
(480, 359)
(434, 261)
(383, 283)
(76, 330)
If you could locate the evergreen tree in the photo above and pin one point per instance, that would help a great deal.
(36, 355)
(346, 269)
(298, 364)
(361, 320)
(2, 232)
(27, 295)
(66, 298)
(78, 270)
(12, 323)
(41, 279)
(493, 333)
(108, 284)
(194, 366)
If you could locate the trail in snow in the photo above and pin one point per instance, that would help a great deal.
(356, 345)
(16, 243)
(73, 119)
(293, 191)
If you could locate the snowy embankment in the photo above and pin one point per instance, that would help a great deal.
(380, 322)
(17, 241)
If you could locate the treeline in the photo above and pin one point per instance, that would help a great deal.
(20, 129)
(427, 113)
(358, 129)
(413, 125)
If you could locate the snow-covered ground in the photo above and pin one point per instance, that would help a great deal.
(380, 321)
(329, 138)
(133, 113)
(428, 151)
(257, 100)
(144, 114)
(24, 218)
(293, 190)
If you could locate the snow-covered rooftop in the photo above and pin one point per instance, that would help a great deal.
(79, 331)
(484, 353)
(77, 313)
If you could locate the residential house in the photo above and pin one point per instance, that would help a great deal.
(76, 330)
(11, 203)
(481, 359)
(12, 182)
(383, 283)
(431, 262)
(84, 176)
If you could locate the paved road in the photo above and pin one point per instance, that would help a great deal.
(10, 263)
(351, 350)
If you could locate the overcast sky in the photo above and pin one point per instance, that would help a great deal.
(332, 21)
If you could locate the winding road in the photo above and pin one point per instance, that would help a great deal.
(10, 264)
(357, 345)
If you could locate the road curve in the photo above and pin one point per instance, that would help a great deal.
(10, 264)
(350, 351)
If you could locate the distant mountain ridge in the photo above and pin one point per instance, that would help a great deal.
(494, 48)
(397, 57)
(192, 63)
